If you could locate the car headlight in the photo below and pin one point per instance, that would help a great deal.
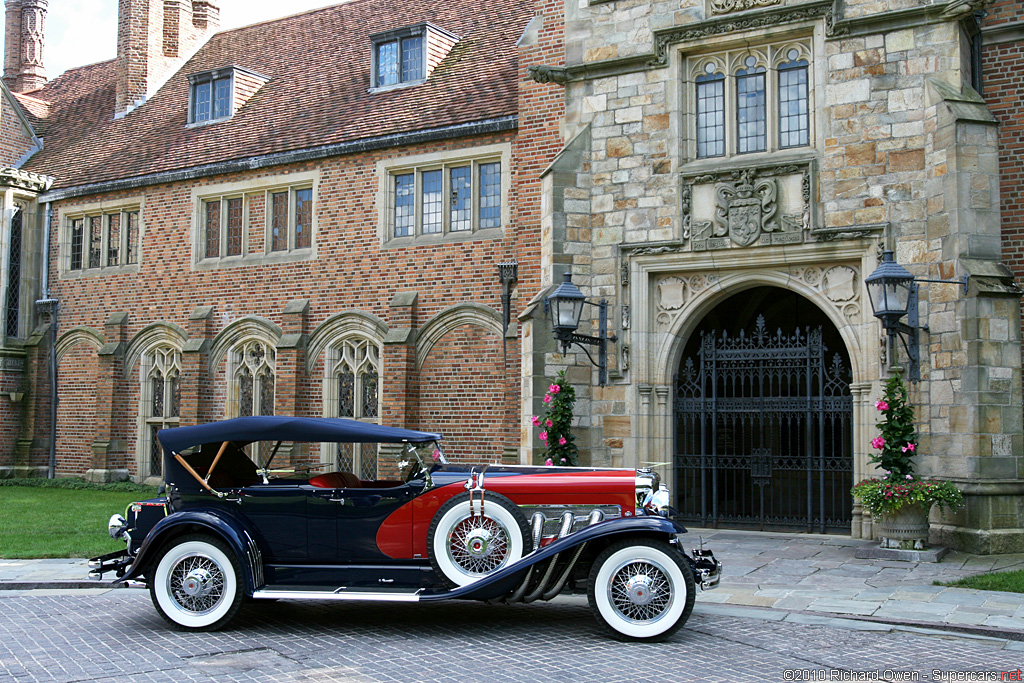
(647, 484)
(116, 526)
(659, 503)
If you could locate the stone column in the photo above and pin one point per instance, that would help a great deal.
(109, 447)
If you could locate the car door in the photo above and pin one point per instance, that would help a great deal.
(358, 515)
(278, 514)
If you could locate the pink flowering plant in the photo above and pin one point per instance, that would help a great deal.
(556, 435)
(895, 448)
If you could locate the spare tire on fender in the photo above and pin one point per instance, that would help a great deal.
(465, 545)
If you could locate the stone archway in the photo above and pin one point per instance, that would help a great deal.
(764, 417)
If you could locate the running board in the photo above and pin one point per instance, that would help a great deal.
(339, 594)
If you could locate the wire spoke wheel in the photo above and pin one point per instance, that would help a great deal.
(478, 545)
(640, 591)
(196, 583)
(469, 540)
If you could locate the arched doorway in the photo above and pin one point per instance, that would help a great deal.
(764, 417)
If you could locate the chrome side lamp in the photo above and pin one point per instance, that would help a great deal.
(565, 306)
(893, 294)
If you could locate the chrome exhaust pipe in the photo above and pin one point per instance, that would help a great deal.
(537, 531)
(593, 518)
(566, 528)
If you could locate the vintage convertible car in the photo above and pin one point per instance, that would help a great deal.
(228, 529)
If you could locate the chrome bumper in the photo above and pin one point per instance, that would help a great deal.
(707, 570)
(116, 562)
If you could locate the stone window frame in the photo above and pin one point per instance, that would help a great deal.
(356, 352)
(160, 359)
(246, 190)
(727, 62)
(102, 210)
(388, 169)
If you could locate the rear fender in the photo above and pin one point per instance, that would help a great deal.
(219, 525)
(499, 583)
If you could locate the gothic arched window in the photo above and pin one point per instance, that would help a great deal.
(353, 391)
(161, 404)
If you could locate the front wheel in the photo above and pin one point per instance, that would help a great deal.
(196, 583)
(641, 589)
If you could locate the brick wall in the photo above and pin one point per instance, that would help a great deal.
(465, 390)
(14, 141)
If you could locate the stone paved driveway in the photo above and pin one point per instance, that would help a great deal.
(117, 636)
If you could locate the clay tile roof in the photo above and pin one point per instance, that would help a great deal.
(318, 64)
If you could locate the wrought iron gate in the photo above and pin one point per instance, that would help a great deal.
(763, 433)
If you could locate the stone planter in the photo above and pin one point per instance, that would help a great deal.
(905, 529)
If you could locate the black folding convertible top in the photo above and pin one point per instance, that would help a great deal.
(243, 430)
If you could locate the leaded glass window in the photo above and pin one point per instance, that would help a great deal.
(455, 198)
(95, 240)
(77, 241)
(105, 240)
(399, 61)
(211, 99)
(711, 114)
(234, 227)
(794, 118)
(279, 221)
(161, 404)
(490, 195)
(253, 374)
(405, 204)
(739, 108)
(212, 229)
(751, 115)
(303, 218)
(462, 196)
(13, 303)
(353, 368)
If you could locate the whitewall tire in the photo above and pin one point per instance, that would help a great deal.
(466, 546)
(196, 583)
(641, 589)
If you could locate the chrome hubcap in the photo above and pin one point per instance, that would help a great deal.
(196, 583)
(640, 591)
(478, 545)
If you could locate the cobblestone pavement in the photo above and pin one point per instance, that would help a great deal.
(115, 636)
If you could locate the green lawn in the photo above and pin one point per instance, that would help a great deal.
(43, 521)
(1011, 582)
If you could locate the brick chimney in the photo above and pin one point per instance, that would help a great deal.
(23, 45)
(154, 37)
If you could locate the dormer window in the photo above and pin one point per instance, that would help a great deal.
(218, 94)
(400, 61)
(408, 55)
(211, 99)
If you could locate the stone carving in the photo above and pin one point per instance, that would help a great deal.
(726, 6)
(852, 313)
(671, 293)
(811, 276)
(664, 320)
(697, 283)
(625, 317)
(839, 283)
(746, 208)
(542, 73)
(719, 25)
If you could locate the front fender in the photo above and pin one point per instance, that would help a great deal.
(500, 582)
(220, 525)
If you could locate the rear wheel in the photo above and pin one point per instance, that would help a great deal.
(641, 589)
(196, 584)
(466, 546)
